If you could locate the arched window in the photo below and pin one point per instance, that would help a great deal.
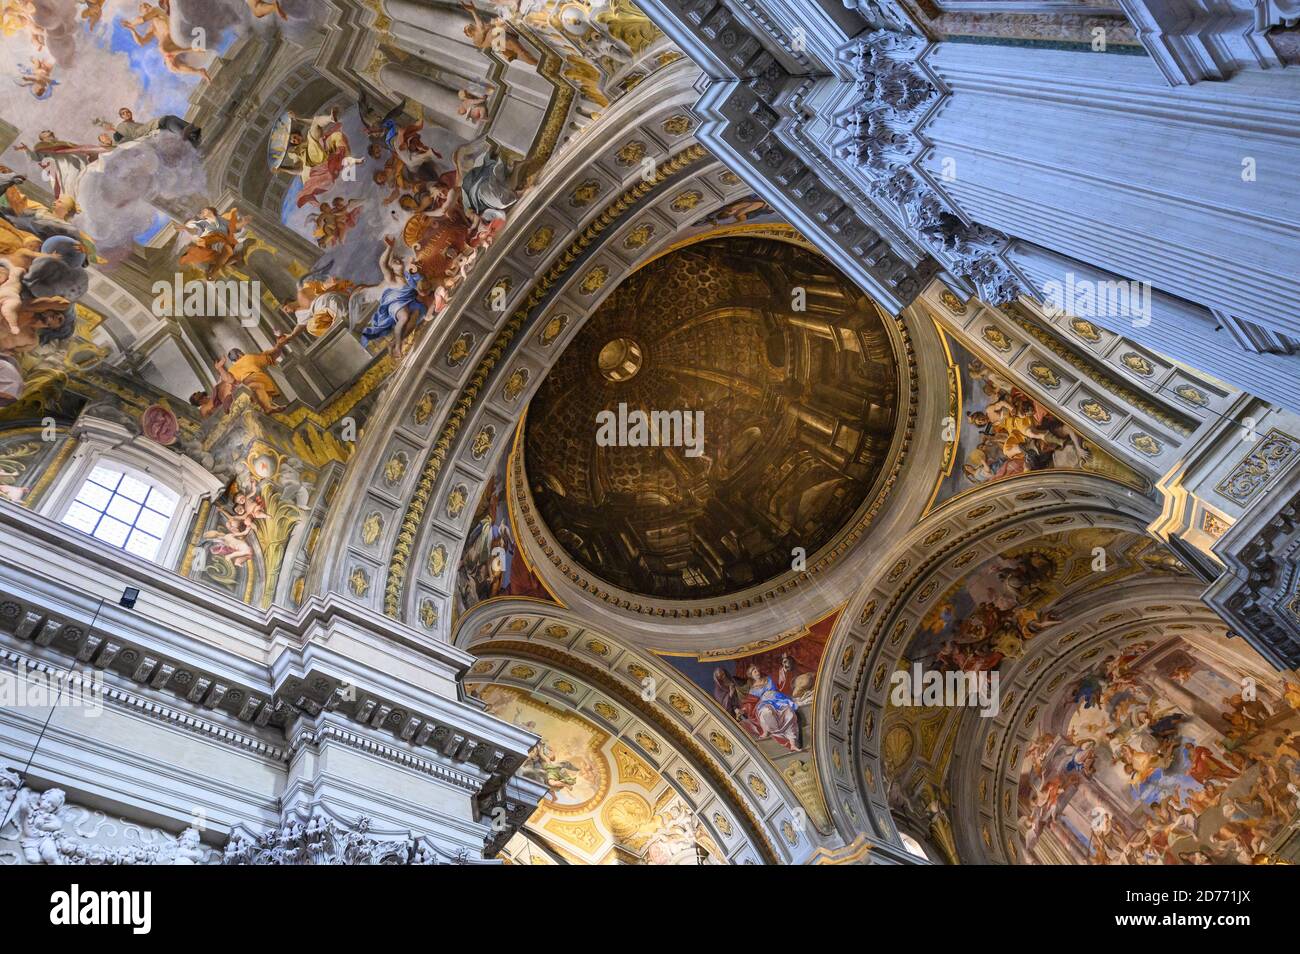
(124, 509)
(127, 491)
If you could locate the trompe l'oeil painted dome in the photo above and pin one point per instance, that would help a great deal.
(732, 401)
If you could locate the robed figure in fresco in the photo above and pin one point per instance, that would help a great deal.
(769, 713)
(64, 162)
(314, 149)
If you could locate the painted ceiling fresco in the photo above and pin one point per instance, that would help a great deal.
(1003, 431)
(604, 803)
(1173, 745)
(987, 620)
(769, 688)
(795, 368)
(492, 564)
(224, 223)
(1176, 751)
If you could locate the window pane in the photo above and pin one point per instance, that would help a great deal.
(80, 517)
(105, 476)
(152, 523)
(164, 501)
(133, 488)
(142, 545)
(123, 509)
(94, 496)
(112, 531)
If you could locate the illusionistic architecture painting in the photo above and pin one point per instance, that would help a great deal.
(670, 432)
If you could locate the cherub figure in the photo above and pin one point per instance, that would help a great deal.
(497, 37)
(39, 77)
(333, 221)
(156, 20)
(18, 15)
(92, 11)
(189, 849)
(40, 827)
(232, 542)
(473, 104)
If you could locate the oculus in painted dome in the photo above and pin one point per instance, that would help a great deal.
(730, 402)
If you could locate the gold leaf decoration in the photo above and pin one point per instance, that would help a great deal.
(540, 240)
(631, 153)
(437, 561)
(359, 581)
(677, 125)
(687, 200)
(428, 613)
(515, 384)
(456, 500)
(371, 528)
(551, 330)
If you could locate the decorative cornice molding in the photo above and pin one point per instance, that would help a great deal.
(142, 705)
(754, 117)
(895, 95)
(309, 736)
(1260, 592)
(283, 704)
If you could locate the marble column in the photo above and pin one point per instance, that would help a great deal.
(1095, 158)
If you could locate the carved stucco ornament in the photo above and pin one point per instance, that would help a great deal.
(44, 828)
(322, 840)
(895, 93)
